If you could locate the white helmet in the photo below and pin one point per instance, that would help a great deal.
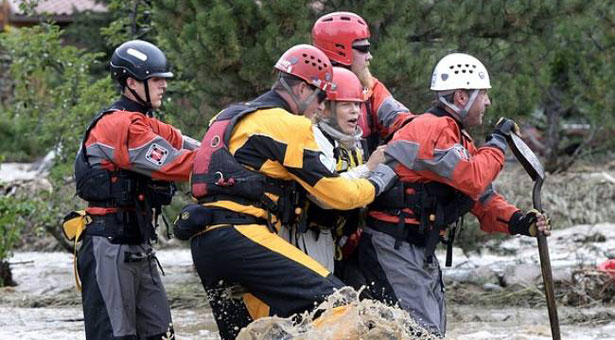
(459, 71)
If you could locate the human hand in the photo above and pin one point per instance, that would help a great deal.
(498, 135)
(505, 126)
(530, 224)
(542, 225)
(376, 158)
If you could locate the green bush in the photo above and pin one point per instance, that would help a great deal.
(13, 214)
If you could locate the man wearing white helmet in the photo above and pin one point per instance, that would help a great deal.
(443, 175)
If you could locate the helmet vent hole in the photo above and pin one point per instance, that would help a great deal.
(459, 65)
(340, 46)
(463, 71)
(345, 18)
(474, 66)
(471, 71)
(457, 72)
(451, 67)
(319, 61)
(467, 65)
(314, 64)
(304, 55)
(307, 61)
(319, 68)
(312, 57)
(328, 19)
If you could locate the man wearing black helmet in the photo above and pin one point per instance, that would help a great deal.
(124, 169)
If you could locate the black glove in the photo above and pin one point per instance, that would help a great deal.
(525, 224)
(503, 128)
(383, 177)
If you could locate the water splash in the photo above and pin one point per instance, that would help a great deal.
(341, 316)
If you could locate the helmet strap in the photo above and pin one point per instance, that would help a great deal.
(302, 105)
(332, 119)
(459, 113)
(147, 103)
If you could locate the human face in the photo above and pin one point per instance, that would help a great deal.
(360, 56)
(157, 87)
(347, 116)
(316, 105)
(477, 110)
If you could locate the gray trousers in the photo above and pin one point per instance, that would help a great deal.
(123, 297)
(403, 276)
(318, 244)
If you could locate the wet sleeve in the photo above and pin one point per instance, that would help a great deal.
(493, 211)
(158, 155)
(444, 159)
(388, 114)
(289, 141)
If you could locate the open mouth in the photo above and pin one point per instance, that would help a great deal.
(352, 122)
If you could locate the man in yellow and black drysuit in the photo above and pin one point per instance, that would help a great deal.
(256, 164)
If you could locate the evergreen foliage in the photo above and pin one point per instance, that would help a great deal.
(548, 60)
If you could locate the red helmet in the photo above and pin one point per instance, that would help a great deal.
(345, 87)
(335, 32)
(308, 63)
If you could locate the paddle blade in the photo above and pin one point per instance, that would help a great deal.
(526, 157)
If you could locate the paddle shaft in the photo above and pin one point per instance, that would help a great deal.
(545, 266)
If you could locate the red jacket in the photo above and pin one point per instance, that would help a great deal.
(382, 114)
(433, 147)
(132, 141)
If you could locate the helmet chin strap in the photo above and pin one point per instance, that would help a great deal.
(148, 102)
(332, 119)
(460, 114)
(302, 105)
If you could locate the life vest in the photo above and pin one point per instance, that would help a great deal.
(338, 220)
(435, 205)
(217, 175)
(135, 196)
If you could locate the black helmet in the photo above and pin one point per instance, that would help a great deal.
(139, 59)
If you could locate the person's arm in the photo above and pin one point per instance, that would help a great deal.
(432, 149)
(155, 149)
(388, 114)
(493, 211)
(289, 141)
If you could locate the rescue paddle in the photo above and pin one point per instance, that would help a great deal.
(534, 168)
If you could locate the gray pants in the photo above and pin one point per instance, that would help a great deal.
(317, 244)
(404, 276)
(123, 297)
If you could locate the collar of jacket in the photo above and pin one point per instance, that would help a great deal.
(440, 112)
(272, 98)
(125, 104)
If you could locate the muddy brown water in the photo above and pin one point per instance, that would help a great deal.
(46, 305)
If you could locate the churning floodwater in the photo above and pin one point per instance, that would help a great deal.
(45, 305)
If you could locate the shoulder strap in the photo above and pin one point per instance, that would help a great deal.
(93, 123)
(248, 108)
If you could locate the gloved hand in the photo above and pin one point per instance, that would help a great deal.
(502, 129)
(346, 245)
(505, 126)
(382, 177)
(529, 224)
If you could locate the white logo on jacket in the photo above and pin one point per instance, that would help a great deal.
(157, 154)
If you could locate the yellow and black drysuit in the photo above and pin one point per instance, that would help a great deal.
(246, 206)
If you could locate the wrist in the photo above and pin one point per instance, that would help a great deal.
(497, 140)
